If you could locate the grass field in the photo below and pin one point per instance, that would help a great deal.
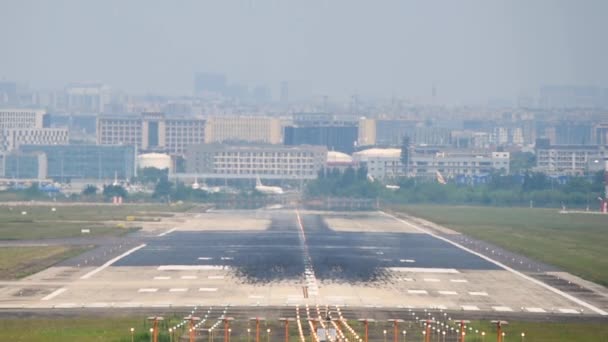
(42, 222)
(18, 262)
(574, 242)
(116, 329)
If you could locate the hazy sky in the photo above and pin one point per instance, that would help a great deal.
(471, 50)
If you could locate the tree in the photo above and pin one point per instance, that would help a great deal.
(163, 188)
(405, 155)
(89, 190)
(151, 174)
(114, 190)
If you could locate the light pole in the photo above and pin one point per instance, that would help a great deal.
(523, 335)
(132, 331)
(384, 332)
(443, 333)
(248, 334)
(170, 335)
(229, 334)
(151, 334)
(268, 334)
(483, 336)
(503, 337)
(404, 333)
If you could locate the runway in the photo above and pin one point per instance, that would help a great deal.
(276, 258)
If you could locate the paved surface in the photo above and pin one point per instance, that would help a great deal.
(278, 258)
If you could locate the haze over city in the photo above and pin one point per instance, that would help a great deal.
(472, 52)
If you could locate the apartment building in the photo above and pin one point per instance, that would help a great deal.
(569, 159)
(28, 126)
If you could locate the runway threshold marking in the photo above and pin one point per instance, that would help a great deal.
(502, 309)
(480, 293)
(505, 267)
(54, 294)
(110, 262)
(167, 232)
(448, 293)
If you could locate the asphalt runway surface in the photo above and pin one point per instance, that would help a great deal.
(370, 261)
(275, 254)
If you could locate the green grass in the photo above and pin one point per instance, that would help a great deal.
(41, 222)
(18, 262)
(574, 242)
(116, 329)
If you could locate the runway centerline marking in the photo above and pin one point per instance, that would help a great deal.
(54, 293)
(480, 293)
(505, 267)
(147, 290)
(309, 272)
(162, 278)
(417, 292)
(167, 232)
(470, 308)
(207, 289)
(459, 280)
(110, 262)
(536, 310)
(178, 289)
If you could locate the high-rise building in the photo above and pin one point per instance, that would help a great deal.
(337, 133)
(19, 165)
(26, 126)
(284, 98)
(22, 118)
(223, 129)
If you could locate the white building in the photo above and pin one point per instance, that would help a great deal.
(21, 118)
(251, 161)
(244, 129)
(570, 159)
(386, 163)
(11, 139)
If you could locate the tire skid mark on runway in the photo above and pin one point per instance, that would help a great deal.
(309, 272)
(505, 267)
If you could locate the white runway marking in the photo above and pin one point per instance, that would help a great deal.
(189, 268)
(459, 280)
(208, 289)
(162, 278)
(502, 308)
(406, 279)
(227, 258)
(110, 262)
(309, 272)
(505, 267)
(423, 270)
(417, 292)
(188, 277)
(167, 232)
(256, 296)
(178, 289)
(448, 293)
(54, 293)
(407, 260)
(215, 277)
(147, 290)
(569, 311)
(478, 293)
(536, 310)
(205, 258)
(432, 280)
(470, 308)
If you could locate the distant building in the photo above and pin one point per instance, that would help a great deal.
(569, 159)
(386, 163)
(151, 131)
(11, 139)
(23, 166)
(243, 129)
(334, 132)
(251, 161)
(339, 160)
(87, 97)
(388, 132)
(28, 126)
(600, 134)
(67, 162)
(22, 118)
(573, 97)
